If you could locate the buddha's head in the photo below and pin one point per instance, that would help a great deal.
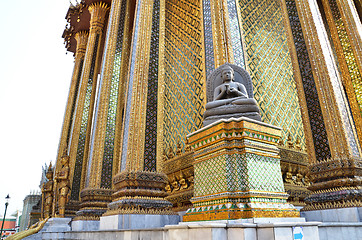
(227, 73)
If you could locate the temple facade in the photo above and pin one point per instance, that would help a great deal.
(139, 88)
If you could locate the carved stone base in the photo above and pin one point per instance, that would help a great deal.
(71, 208)
(139, 192)
(337, 183)
(94, 203)
(237, 172)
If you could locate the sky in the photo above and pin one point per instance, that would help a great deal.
(35, 74)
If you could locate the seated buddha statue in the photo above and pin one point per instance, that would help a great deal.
(231, 98)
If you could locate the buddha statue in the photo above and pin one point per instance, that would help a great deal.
(230, 94)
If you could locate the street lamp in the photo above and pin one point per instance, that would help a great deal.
(6, 207)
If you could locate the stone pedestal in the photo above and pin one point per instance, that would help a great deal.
(56, 228)
(237, 172)
(58, 225)
(139, 202)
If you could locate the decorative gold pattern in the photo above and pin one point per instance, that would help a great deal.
(79, 151)
(298, 53)
(294, 166)
(180, 173)
(269, 64)
(223, 52)
(111, 101)
(237, 172)
(139, 192)
(82, 38)
(336, 183)
(133, 143)
(94, 203)
(183, 96)
(235, 214)
(351, 75)
(98, 13)
(335, 112)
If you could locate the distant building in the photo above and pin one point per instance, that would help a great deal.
(9, 226)
(29, 202)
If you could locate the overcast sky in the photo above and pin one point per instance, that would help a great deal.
(34, 84)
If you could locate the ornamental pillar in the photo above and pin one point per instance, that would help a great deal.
(79, 149)
(336, 177)
(81, 38)
(102, 163)
(69, 118)
(223, 51)
(345, 29)
(139, 188)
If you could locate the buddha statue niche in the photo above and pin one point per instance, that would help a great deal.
(230, 94)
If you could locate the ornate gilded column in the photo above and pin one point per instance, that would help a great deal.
(102, 163)
(223, 38)
(335, 179)
(223, 51)
(79, 149)
(345, 28)
(139, 188)
(81, 38)
(70, 112)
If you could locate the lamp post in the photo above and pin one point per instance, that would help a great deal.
(6, 207)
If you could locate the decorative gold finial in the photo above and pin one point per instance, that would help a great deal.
(50, 169)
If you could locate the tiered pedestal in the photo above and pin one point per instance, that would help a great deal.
(237, 172)
(139, 202)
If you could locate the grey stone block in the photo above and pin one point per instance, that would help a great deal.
(347, 215)
(311, 232)
(178, 234)
(250, 233)
(283, 233)
(334, 233)
(137, 221)
(265, 233)
(312, 215)
(329, 215)
(83, 225)
(59, 225)
(349, 233)
(200, 233)
(219, 234)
